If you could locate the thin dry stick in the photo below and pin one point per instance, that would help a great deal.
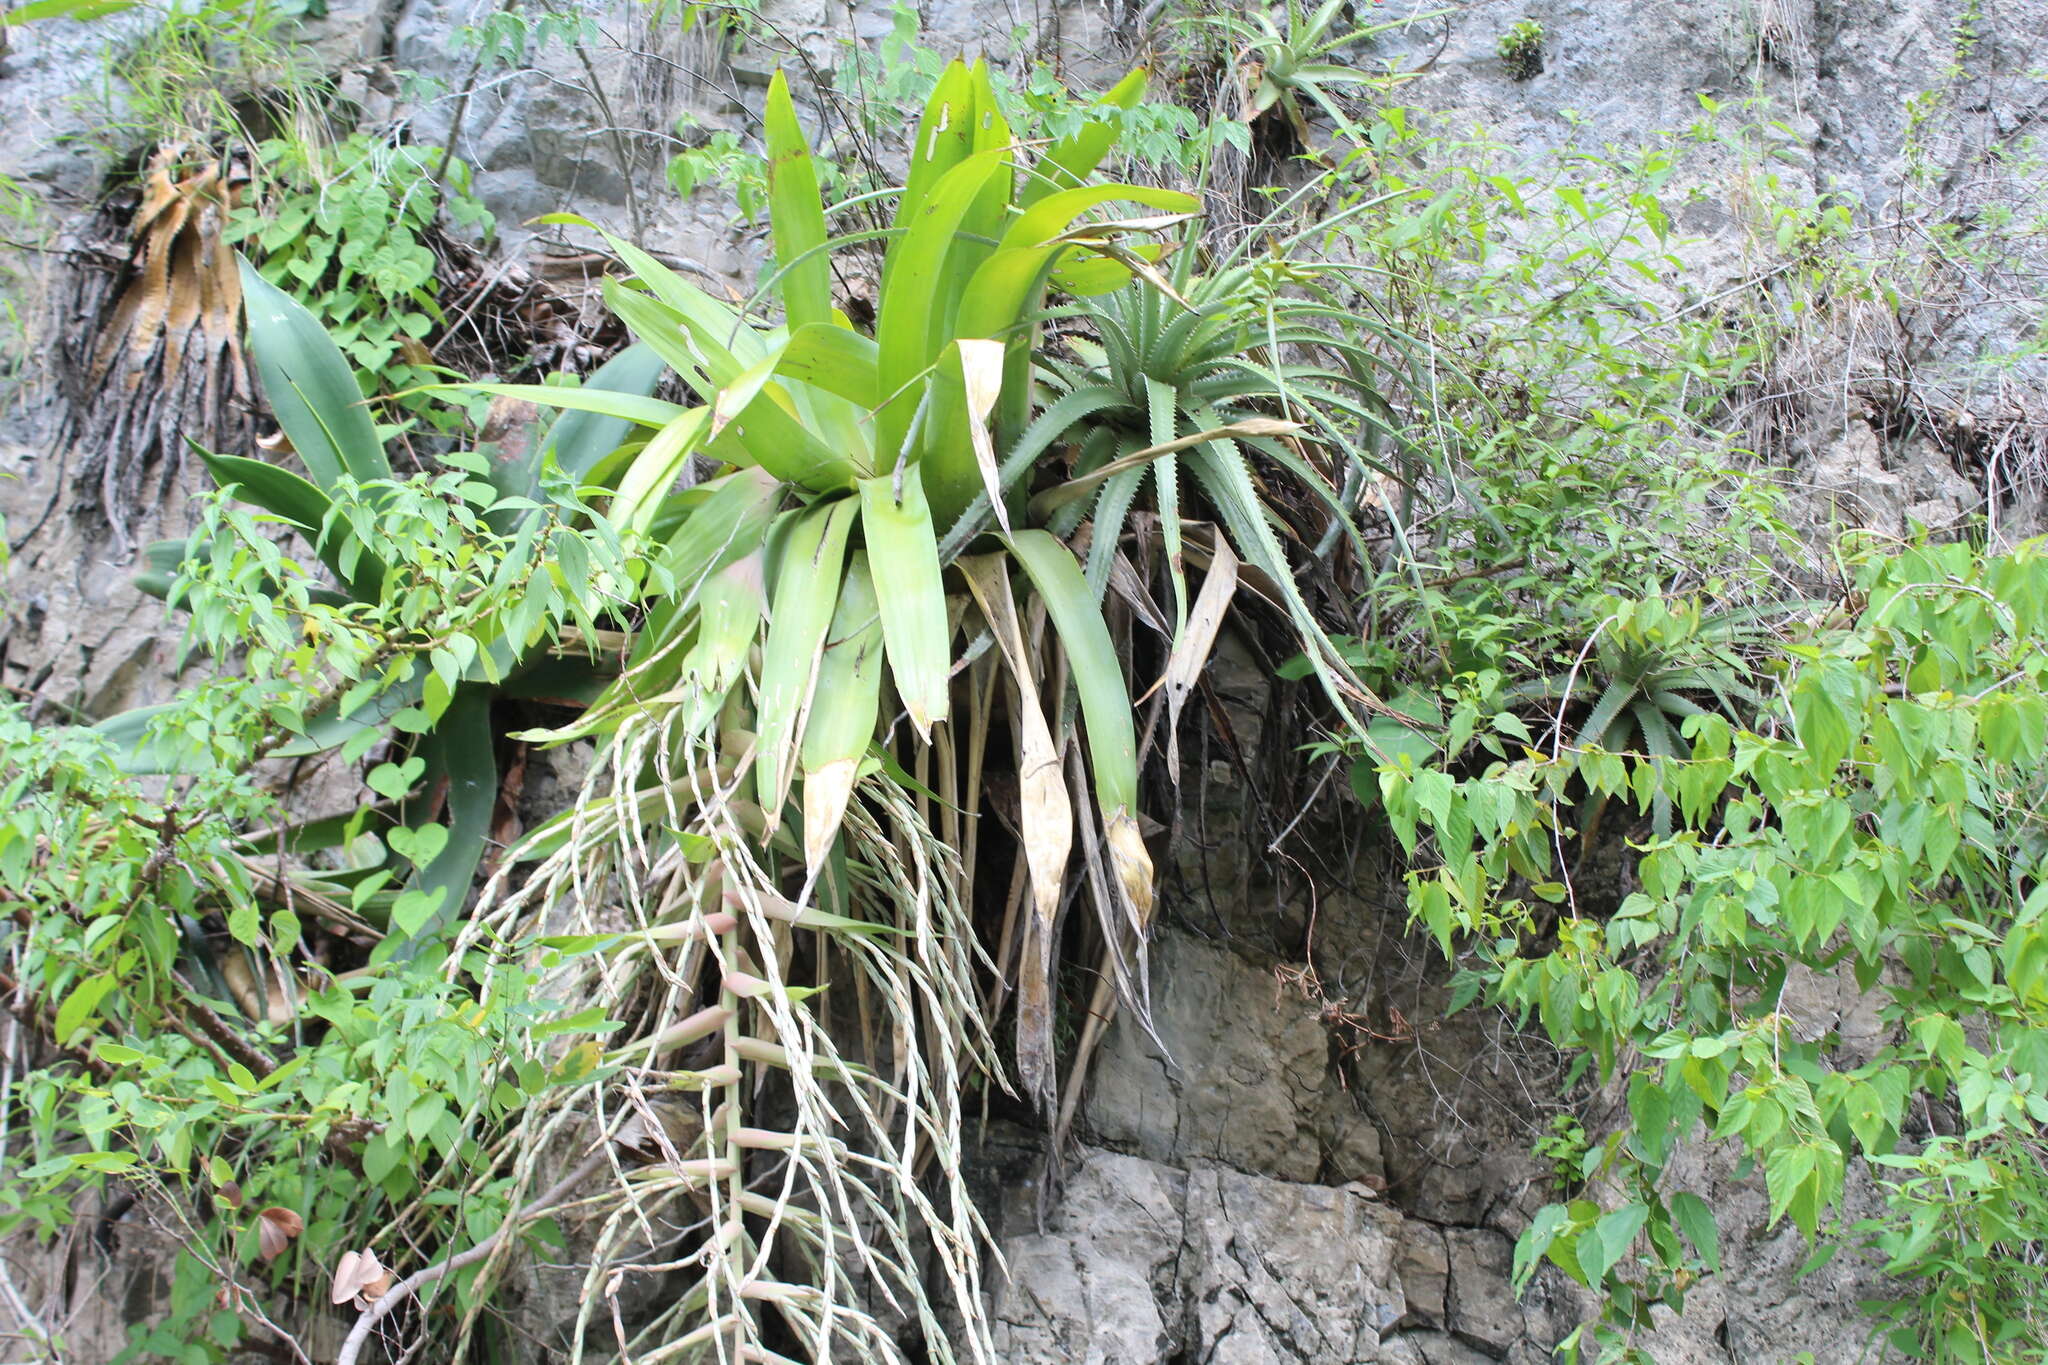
(411, 1285)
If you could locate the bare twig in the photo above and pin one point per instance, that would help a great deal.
(409, 1287)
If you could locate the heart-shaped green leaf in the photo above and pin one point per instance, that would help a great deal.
(412, 909)
(419, 846)
(394, 780)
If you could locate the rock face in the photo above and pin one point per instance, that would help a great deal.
(1143, 1263)
(1304, 1161)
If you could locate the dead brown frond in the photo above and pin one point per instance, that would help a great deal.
(155, 355)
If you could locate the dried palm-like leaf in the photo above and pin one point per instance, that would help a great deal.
(158, 362)
(1047, 825)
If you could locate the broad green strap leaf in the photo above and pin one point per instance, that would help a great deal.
(162, 560)
(704, 314)
(703, 366)
(765, 429)
(1092, 657)
(1112, 741)
(638, 409)
(310, 386)
(807, 582)
(1047, 822)
(728, 524)
(140, 748)
(767, 433)
(904, 553)
(580, 438)
(841, 725)
(836, 359)
(797, 214)
(982, 225)
(1051, 217)
(734, 601)
(906, 329)
(651, 474)
(459, 752)
(275, 490)
(945, 137)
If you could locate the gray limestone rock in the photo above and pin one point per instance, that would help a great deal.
(1243, 1084)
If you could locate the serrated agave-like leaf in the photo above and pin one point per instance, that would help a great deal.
(1220, 468)
(916, 629)
(1163, 409)
(1605, 712)
(807, 583)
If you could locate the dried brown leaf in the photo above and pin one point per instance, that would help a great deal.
(275, 1228)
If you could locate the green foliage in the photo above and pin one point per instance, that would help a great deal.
(901, 72)
(1565, 1147)
(451, 586)
(721, 161)
(1521, 47)
(342, 230)
(891, 526)
(516, 35)
(207, 1055)
(185, 75)
(1289, 57)
(1880, 824)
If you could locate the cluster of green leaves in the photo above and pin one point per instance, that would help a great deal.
(888, 512)
(1881, 820)
(341, 229)
(174, 940)
(1596, 547)
(1578, 395)
(182, 72)
(1290, 60)
(1521, 47)
(901, 72)
(516, 35)
(722, 161)
(443, 592)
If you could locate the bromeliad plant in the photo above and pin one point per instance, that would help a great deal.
(1286, 57)
(841, 620)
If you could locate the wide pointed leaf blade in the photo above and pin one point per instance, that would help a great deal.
(807, 583)
(904, 554)
(310, 386)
